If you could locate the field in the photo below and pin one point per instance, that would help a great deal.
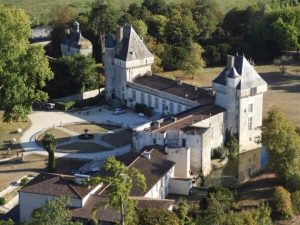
(283, 91)
(41, 11)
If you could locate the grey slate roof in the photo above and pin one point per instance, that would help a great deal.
(75, 39)
(243, 69)
(131, 46)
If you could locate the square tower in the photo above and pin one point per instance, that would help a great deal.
(239, 89)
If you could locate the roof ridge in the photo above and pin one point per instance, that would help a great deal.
(74, 190)
(182, 119)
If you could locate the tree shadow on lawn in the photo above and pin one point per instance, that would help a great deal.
(277, 81)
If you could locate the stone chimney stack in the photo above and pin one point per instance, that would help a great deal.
(230, 61)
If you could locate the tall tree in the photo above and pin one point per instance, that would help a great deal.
(280, 138)
(24, 69)
(120, 179)
(193, 61)
(53, 212)
(103, 20)
(49, 144)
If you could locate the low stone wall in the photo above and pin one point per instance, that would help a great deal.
(81, 96)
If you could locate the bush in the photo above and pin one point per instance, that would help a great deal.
(79, 103)
(231, 143)
(293, 182)
(225, 191)
(24, 181)
(2, 201)
(296, 202)
(142, 108)
(219, 153)
(283, 204)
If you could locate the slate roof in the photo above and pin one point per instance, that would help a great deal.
(243, 69)
(131, 46)
(109, 214)
(56, 185)
(186, 119)
(186, 91)
(75, 39)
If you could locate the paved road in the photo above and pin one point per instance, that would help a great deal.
(42, 120)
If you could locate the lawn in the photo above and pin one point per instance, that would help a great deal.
(82, 147)
(8, 131)
(93, 128)
(283, 91)
(118, 139)
(11, 171)
(60, 136)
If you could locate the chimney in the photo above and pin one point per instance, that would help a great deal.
(80, 177)
(156, 124)
(179, 82)
(230, 61)
(146, 155)
(119, 34)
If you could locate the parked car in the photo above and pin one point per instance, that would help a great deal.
(49, 106)
(118, 111)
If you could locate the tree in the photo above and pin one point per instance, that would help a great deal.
(280, 138)
(140, 27)
(24, 69)
(231, 143)
(208, 15)
(49, 144)
(155, 6)
(283, 203)
(154, 216)
(53, 212)
(182, 213)
(8, 222)
(283, 63)
(193, 61)
(103, 20)
(120, 179)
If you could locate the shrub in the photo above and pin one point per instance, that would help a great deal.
(220, 153)
(2, 201)
(64, 105)
(231, 143)
(283, 204)
(293, 182)
(24, 181)
(296, 201)
(225, 191)
(142, 108)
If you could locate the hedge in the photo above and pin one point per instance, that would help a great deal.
(79, 103)
(142, 108)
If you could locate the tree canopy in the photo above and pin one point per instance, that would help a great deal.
(53, 212)
(24, 69)
(121, 179)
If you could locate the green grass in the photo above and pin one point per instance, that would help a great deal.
(41, 11)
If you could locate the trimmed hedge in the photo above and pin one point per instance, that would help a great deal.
(2, 201)
(283, 203)
(142, 108)
(65, 106)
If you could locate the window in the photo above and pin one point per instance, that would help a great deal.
(253, 91)
(149, 100)
(164, 105)
(142, 98)
(154, 141)
(183, 142)
(156, 102)
(250, 123)
(133, 95)
(179, 108)
(250, 108)
(171, 107)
